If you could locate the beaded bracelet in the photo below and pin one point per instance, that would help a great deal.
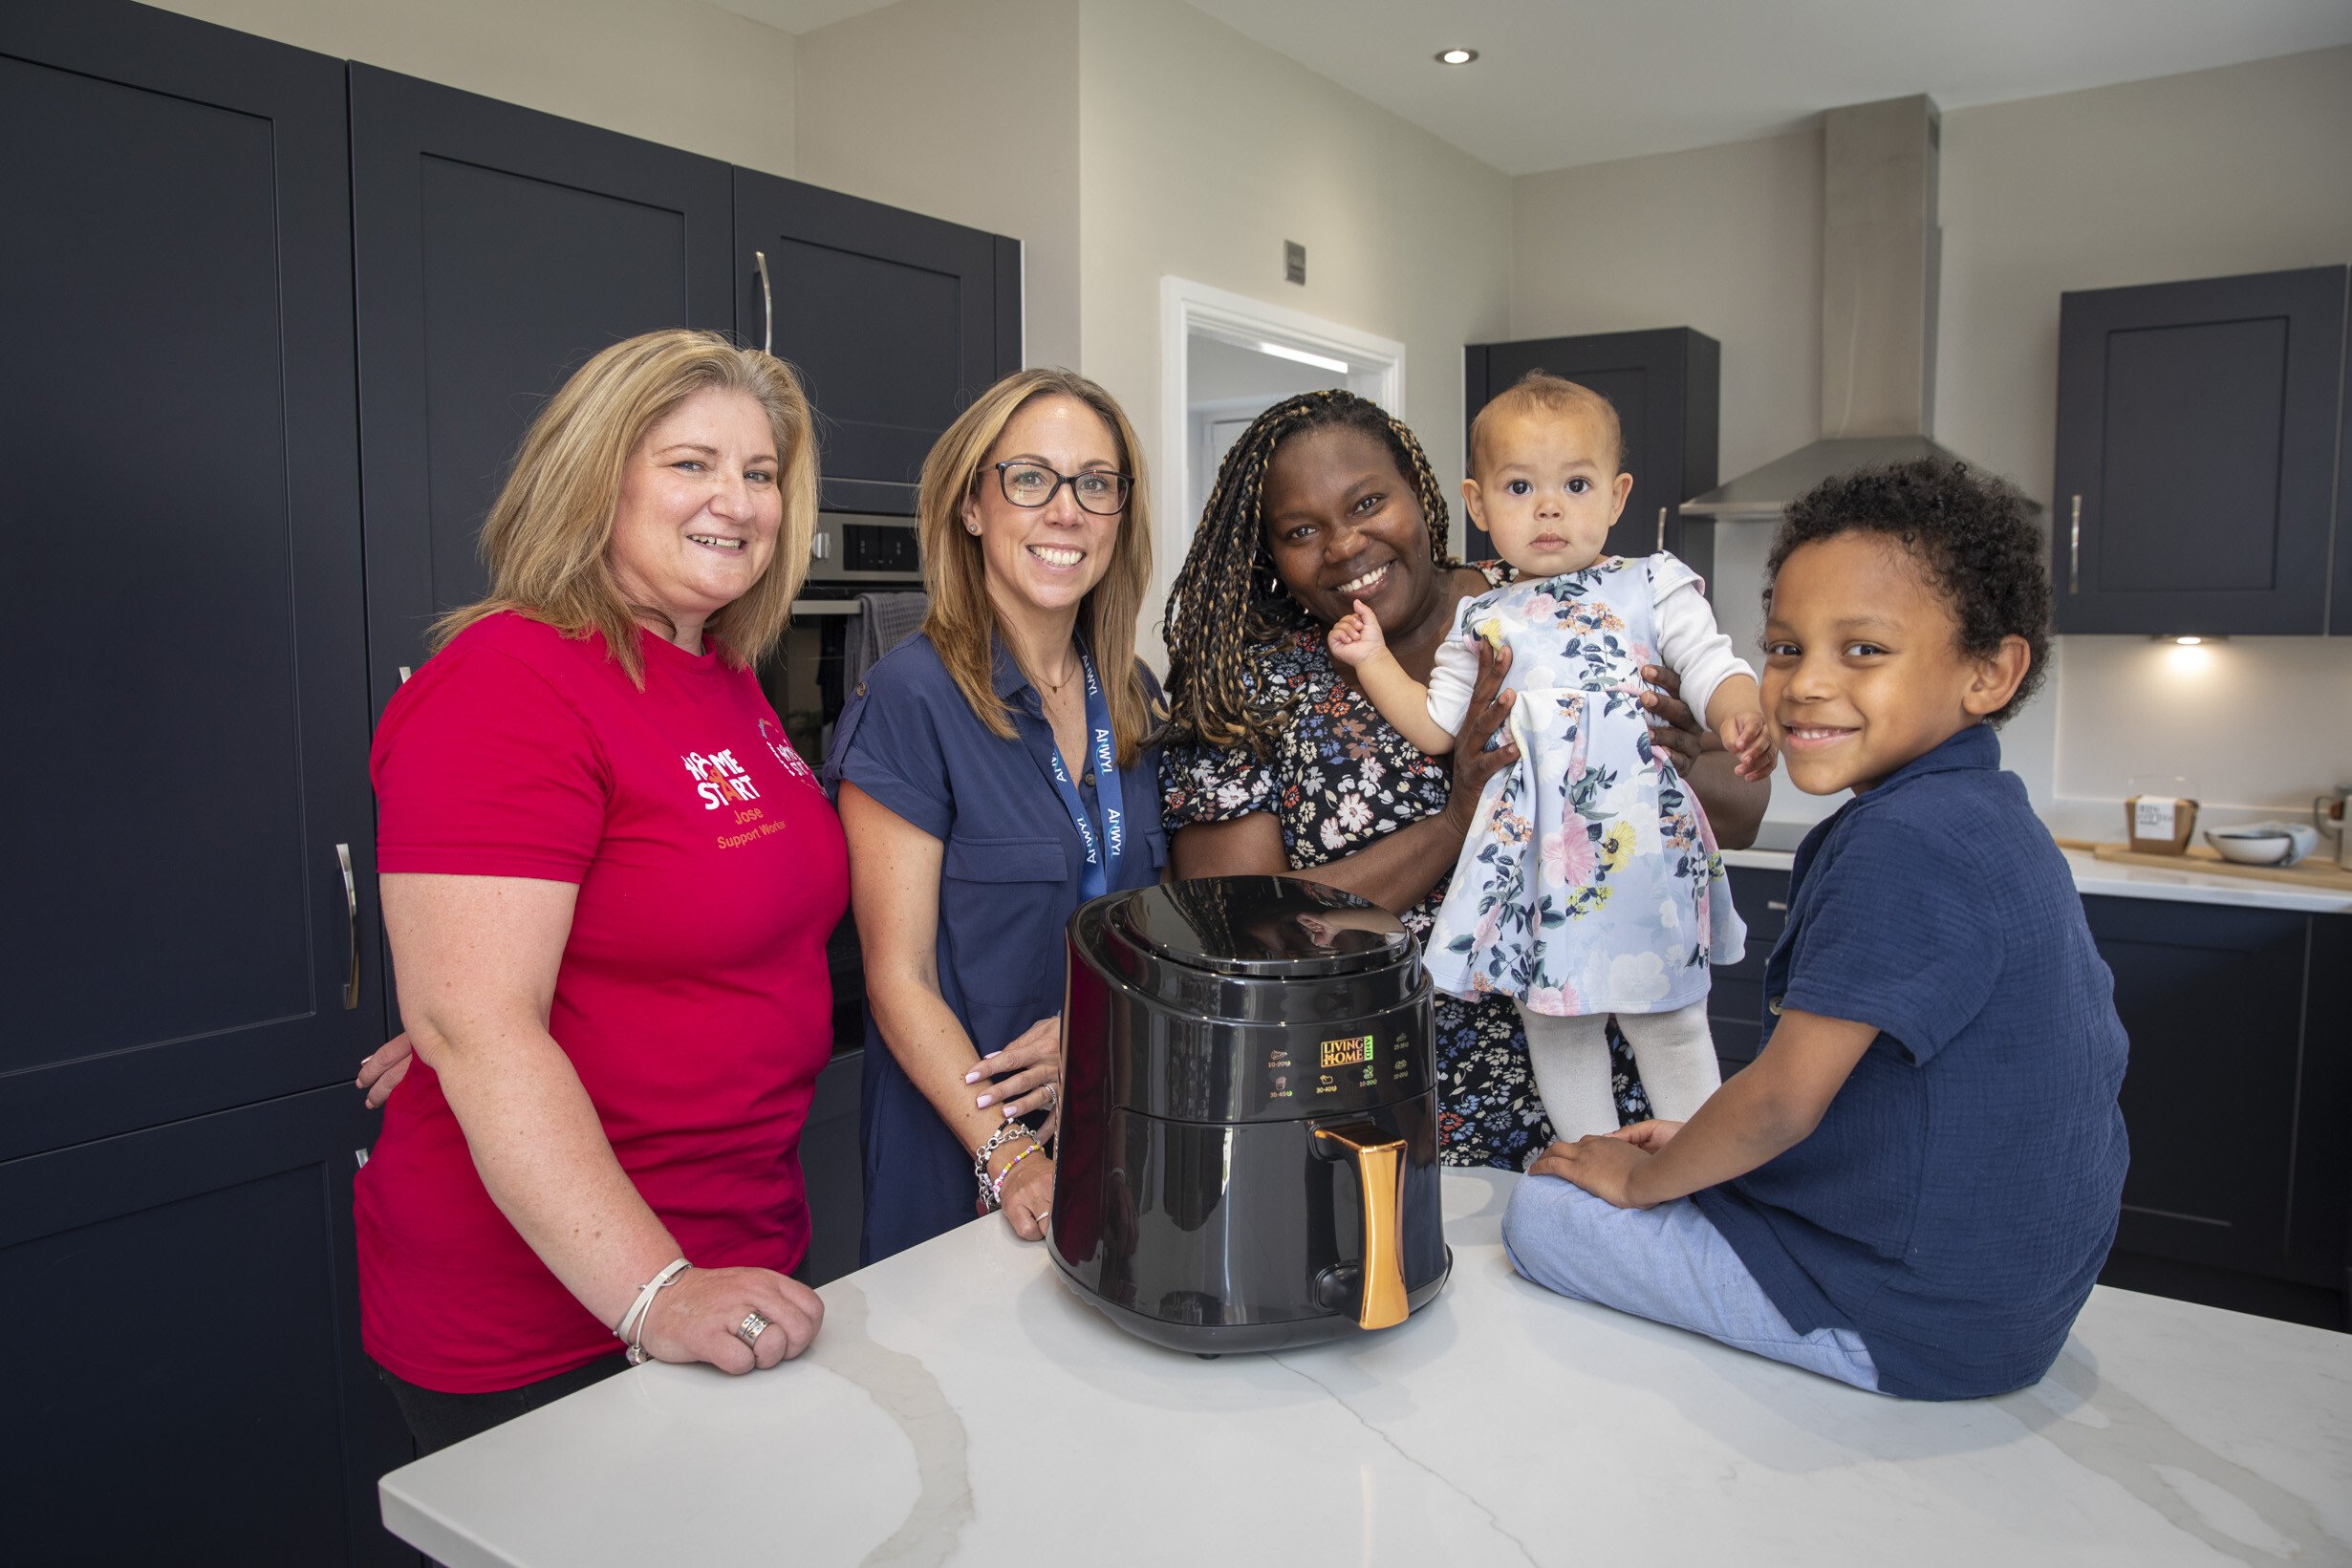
(996, 1187)
(980, 1160)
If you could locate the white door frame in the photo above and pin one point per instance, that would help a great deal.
(1187, 307)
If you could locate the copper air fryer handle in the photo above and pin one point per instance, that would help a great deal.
(1380, 1177)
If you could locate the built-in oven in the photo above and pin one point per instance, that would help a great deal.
(852, 557)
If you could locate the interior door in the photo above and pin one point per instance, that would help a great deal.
(180, 510)
(498, 250)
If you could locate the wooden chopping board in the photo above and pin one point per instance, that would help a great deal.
(2314, 873)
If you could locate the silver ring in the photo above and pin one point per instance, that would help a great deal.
(750, 1329)
(1053, 1093)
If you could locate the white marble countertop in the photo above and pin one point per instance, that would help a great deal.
(2126, 880)
(963, 1406)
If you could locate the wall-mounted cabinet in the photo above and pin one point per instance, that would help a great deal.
(1664, 387)
(2197, 488)
(894, 321)
(498, 250)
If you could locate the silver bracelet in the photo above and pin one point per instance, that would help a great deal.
(631, 1329)
(980, 1161)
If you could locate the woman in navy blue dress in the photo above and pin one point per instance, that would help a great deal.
(994, 773)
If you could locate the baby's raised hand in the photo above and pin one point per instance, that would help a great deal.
(1357, 638)
(1743, 736)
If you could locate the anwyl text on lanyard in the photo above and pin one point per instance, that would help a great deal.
(1104, 852)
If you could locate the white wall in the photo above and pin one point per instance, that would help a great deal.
(677, 71)
(2242, 169)
(919, 105)
(1201, 152)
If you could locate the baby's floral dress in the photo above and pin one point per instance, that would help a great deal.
(1341, 778)
(1590, 882)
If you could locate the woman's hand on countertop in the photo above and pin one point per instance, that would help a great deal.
(696, 1319)
(1027, 1197)
(1025, 1076)
(384, 1068)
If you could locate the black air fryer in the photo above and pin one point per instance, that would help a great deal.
(1248, 1148)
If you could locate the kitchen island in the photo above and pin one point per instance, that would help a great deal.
(963, 1406)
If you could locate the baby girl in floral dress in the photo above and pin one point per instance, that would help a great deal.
(1590, 886)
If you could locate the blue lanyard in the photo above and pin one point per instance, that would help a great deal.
(1104, 851)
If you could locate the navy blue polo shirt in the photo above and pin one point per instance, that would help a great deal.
(1008, 884)
(1961, 1192)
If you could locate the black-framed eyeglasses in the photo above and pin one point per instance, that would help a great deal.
(1032, 484)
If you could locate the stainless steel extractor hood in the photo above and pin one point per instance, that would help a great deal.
(1881, 253)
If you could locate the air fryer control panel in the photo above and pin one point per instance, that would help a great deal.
(1342, 1073)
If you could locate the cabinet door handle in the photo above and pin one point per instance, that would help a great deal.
(1777, 906)
(768, 306)
(1661, 530)
(351, 921)
(2074, 550)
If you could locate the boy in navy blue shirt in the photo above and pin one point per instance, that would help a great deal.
(1914, 1186)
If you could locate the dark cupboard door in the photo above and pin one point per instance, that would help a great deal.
(894, 320)
(189, 1387)
(2196, 454)
(1664, 387)
(2212, 1001)
(178, 504)
(498, 250)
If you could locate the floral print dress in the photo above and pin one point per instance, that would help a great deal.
(1589, 882)
(1341, 778)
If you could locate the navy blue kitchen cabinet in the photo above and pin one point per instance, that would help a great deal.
(187, 720)
(1664, 385)
(2237, 1097)
(498, 250)
(1735, 999)
(2197, 488)
(894, 321)
(190, 925)
(189, 1387)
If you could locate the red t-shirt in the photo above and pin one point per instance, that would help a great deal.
(693, 999)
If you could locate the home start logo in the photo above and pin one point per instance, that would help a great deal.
(720, 779)
(781, 747)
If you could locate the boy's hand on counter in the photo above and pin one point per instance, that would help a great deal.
(1602, 1165)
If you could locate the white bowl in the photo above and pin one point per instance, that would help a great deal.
(2252, 848)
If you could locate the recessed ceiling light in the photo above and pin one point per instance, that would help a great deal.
(1457, 56)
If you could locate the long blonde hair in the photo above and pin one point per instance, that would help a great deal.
(962, 624)
(548, 540)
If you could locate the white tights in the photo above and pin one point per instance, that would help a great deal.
(1570, 1056)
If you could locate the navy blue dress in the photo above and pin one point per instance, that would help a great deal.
(1008, 884)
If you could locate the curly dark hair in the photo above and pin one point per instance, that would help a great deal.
(1973, 533)
(1227, 608)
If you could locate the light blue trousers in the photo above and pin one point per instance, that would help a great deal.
(1667, 1264)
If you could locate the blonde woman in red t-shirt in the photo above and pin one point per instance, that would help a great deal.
(608, 882)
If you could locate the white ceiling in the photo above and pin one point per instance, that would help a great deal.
(1560, 82)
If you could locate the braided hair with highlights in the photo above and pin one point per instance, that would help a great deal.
(1228, 609)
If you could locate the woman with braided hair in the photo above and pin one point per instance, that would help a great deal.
(1275, 761)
